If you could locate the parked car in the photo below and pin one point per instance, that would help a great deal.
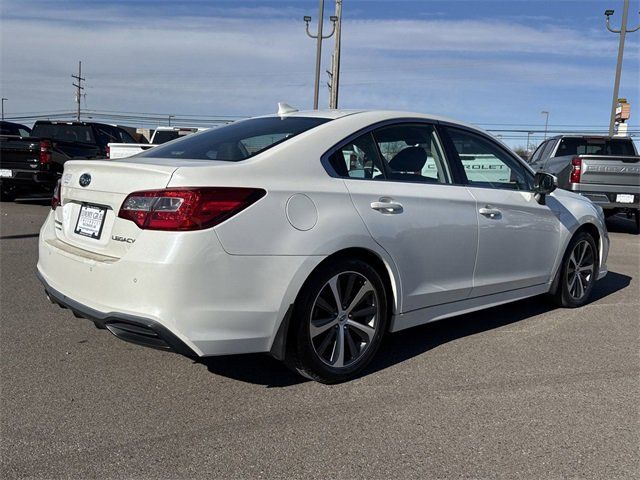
(604, 169)
(14, 129)
(35, 161)
(160, 135)
(311, 235)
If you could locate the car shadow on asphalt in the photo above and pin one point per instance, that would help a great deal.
(621, 224)
(264, 370)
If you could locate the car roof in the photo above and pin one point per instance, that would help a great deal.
(332, 114)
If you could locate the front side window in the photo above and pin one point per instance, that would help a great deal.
(236, 141)
(412, 152)
(486, 164)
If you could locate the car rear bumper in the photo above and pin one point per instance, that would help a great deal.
(607, 195)
(139, 330)
(191, 297)
(21, 177)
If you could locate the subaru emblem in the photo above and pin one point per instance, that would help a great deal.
(85, 180)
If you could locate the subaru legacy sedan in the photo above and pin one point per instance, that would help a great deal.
(311, 236)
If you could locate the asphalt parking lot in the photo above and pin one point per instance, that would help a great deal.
(518, 391)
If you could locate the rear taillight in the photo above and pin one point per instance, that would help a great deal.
(108, 151)
(45, 152)
(187, 208)
(55, 198)
(576, 170)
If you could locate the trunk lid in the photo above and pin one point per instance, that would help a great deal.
(105, 185)
(610, 170)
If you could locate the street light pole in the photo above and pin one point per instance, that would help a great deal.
(616, 85)
(546, 122)
(3, 100)
(320, 38)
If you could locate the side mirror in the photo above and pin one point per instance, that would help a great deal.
(543, 184)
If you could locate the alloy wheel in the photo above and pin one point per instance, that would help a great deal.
(581, 269)
(344, 319)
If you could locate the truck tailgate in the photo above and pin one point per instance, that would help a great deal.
(610, 170)
(19, 153)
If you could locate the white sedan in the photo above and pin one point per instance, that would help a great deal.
(310, 235)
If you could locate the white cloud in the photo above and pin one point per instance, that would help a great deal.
(242, 61)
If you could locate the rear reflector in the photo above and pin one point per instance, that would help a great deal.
(576, 170)
(187, 208)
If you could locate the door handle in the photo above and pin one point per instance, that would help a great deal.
(490, 212)
(387, 205)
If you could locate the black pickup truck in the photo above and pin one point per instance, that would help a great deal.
(34, 162)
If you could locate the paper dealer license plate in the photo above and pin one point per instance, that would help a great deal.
(90, 221)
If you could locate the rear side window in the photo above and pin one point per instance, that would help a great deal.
(237, 141)
(412, 153)
(357, 159)
(594, 146)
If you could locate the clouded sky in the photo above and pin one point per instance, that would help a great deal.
(486, 62)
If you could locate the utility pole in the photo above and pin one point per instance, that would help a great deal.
(79, 88)
(3, 100)
(335, 64)
(529, 141)
(319, 38)
(616, 85)
(546, 122)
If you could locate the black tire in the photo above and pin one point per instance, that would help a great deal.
(566, 293)
(351, 277)
(7, 194)
(610, 212)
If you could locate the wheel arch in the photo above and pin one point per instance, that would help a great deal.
(383, 267)
(592, 230)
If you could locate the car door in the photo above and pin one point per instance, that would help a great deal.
(403, 188)
(519, 238)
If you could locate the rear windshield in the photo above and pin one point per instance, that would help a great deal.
(237, 141)
(595, 146)
(64, 132)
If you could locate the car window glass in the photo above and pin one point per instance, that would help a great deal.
(488, 165)
(23, 132)
(126, 138)
(357, 159)
(548, 149)
(412, 152)
(236, 141)
(64, 132)
(594, 146)
(537, 155)
(105, 136)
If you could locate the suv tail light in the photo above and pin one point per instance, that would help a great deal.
(576, 170)
(108, 151)
(55, 199)
(187, 208)
(45, 152)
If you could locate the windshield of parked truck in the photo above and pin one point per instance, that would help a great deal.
(236, 141)
(63, 132)
(595, 146)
